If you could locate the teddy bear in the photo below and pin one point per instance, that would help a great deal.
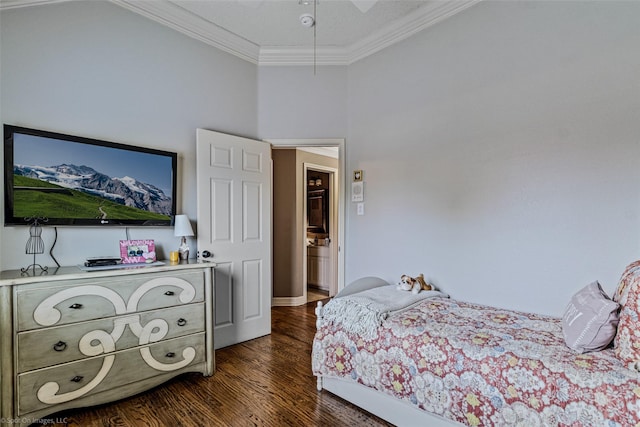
(415, 285)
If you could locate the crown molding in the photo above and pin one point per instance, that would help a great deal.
(15, 4)
(391, 34)
(406, 27)
(173, 16)
(292, 56)
(170, 14)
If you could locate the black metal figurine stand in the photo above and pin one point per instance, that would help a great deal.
(35, 244)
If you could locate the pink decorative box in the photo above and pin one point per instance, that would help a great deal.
(137, 251)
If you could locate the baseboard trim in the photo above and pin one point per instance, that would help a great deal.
(288, 301)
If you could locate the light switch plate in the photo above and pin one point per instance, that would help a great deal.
(360, 209)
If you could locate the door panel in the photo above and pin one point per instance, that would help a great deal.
(234, 223)
(252, 273)
(223, 295)
(252, 214)
(221, 207)
(252, 162)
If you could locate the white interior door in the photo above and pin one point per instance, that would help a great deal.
(234, 225)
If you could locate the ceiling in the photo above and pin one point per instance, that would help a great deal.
(270, 32)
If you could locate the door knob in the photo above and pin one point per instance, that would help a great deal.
(206, 254)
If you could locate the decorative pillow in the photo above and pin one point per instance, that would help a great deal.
(627, 342)
(630, 273)
(590, 320)
(362, 284)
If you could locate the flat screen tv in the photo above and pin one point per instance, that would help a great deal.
(70, 180)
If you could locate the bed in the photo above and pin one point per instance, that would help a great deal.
(442, 362)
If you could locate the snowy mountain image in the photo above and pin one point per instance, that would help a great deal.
(126, 191)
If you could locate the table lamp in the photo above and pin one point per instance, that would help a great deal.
(182, 228)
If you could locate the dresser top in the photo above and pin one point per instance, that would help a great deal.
(17, 277)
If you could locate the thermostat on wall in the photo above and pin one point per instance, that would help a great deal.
(357, 191)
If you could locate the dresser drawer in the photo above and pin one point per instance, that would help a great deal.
(53, 346)
(65, 383)
(82, 299)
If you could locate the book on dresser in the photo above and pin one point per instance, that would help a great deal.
(72, 338)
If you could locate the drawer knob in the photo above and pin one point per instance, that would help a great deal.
(75, 306)
(169, 293)
(60, 346)
(170, 354)
(181, 322)
(77, 378)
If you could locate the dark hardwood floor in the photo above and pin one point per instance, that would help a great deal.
(263, 382)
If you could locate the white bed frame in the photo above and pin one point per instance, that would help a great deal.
(388, 408)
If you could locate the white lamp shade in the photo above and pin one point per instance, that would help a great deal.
(182, 226)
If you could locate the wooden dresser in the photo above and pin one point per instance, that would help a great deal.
(70, 338)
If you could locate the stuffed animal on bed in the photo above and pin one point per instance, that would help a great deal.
(415, 285)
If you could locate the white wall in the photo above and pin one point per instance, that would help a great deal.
(500, 153)
(499, 147)
(97, 70)
(293, 103)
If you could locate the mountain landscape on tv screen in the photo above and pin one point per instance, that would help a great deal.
(62, 188)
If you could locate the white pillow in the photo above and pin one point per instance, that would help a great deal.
(590, 320)
(362, 284)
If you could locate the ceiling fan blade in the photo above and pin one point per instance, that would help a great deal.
(364, 5)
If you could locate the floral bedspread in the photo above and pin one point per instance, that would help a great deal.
(484, 366)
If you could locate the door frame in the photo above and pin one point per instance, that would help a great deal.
(342, 196)
(333, 203)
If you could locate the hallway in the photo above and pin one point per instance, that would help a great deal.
(316, 295)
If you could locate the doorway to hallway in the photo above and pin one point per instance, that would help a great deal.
(308, 219)
(321, 222)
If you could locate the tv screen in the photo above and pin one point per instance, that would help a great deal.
(70, 180)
